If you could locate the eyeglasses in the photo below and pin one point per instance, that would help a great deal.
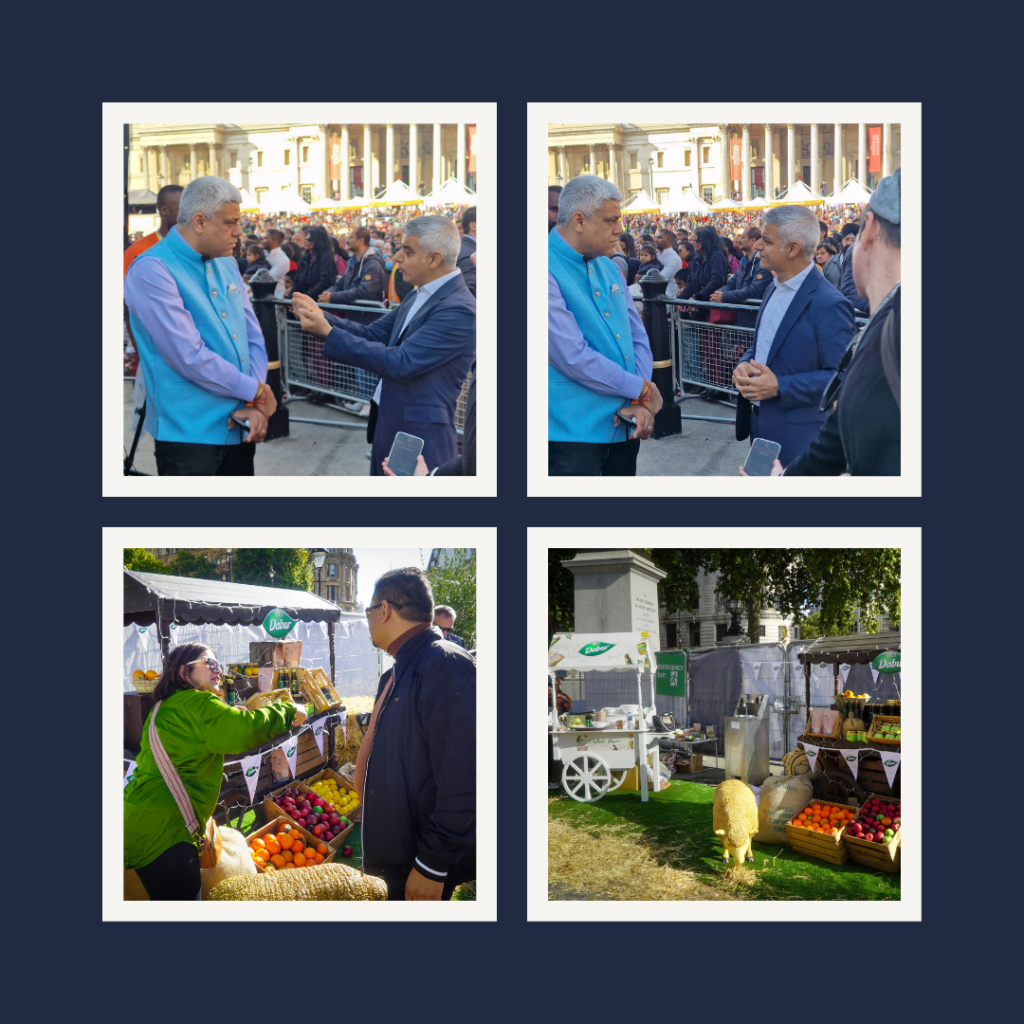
(215, 665)
(372, 606)
(832, 388)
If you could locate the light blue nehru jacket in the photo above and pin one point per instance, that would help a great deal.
(575, 413)
(181, 410)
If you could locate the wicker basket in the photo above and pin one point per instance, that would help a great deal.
(261, 700)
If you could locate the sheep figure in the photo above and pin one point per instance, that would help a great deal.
(734, 818)
(235, 861)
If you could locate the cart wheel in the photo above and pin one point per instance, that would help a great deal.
(586, 778)
(618, 778)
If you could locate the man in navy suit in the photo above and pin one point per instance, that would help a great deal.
(803, 328)
(465, 264)
(421, 350)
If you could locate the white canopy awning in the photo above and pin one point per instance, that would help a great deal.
(284, 202)
(684, 200)
(397, 194)
(608, 652)
(451, 193)
(141, 197)
(755, 204)
(798, 194)
(725, 203)
(641, 203)
(852, 192)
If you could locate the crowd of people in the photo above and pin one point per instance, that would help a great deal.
(190, 326)
(803, 271)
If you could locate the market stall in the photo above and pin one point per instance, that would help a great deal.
(273, 668)
(856, 742)
(598, 748)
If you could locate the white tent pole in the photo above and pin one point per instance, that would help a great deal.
(641, 739)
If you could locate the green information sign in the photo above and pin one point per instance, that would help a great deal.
(278, 623)
(670, 679)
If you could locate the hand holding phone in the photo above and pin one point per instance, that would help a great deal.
(761, 457)
(402, 457)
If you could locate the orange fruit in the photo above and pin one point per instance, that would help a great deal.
(321, 848)
(319, 858)
(309, 853)
(262, 861)
(278, 860)
(286, 841)
(273, 846)
(258, 842)
(299, 860)
(288, 856)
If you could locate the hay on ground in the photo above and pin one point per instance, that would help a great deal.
(620, 865)
(353, 706)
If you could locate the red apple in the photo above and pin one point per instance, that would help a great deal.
(346, 851)
(328, 835)
(318, 830)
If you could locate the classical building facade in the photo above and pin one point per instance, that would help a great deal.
(337, 581)
(767, 158)
(314, 161)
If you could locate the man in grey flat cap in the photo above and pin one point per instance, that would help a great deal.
(861, 435)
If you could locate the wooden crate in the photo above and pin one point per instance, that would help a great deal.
(882, 856)
(307, 757)
(343, 783)
(878, 720)
(274, 827)
(831, 848)
(835, 734)
(314, 683)
(261, 700)
(689, 765)
(272, 808)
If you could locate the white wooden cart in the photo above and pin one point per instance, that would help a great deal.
(595, 760)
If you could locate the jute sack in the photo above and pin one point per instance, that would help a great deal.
(781, 797)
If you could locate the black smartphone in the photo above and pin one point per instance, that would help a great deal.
(242, 423)
(402, 457)
(762, 454)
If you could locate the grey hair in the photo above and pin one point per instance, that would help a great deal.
(795, 224)
(445, 609)
(585, 194)
(436, 234)
(206, 195)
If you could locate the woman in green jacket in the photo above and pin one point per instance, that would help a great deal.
(196, 729)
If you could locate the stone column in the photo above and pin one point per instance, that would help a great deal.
(165, 166)
(325, 162)
(145, 165)
(414, 158)
(437, 157)
(344, 172)
(746, 162)
(218, 159)
(815, 173)
(591, 159)
(192, 162)
(769, 168)
(790, 158)
(460, 149)
(389, 149)
(612, 170)
(886, 150)
(862, 149)
(837, 159)
(367, 130)
(724, 179)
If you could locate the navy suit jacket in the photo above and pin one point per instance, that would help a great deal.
(422, 371)
(465, 264)
(805, 352)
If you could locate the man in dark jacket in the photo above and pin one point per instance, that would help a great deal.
(749, 282)
(444, 619)
(846, 285)
(416, 767)
(465, 264)
(364, 278)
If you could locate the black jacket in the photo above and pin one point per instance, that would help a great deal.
(707, 275)
(364, 278)
(749, 282)
(315, 274)
(465, 264)
(419, 793)
(846, 285)
(465, 464)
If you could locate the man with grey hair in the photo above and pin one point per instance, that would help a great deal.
(200, 345)
(421, 350)
(802, 330)
(599, 358)
(444, 619)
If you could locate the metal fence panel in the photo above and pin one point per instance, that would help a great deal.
(705, 354)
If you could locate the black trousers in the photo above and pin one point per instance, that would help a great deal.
(579, 458)
(178, 458)
(174, 875)
(396, 886)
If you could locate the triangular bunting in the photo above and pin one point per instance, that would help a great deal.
(251, 772)
(852, 759)
(891, 764)
(874, 675)
(317, 725)
(775, 669)
(290, 748)
(757, 668)
(130, 774)
(812, 754)
(845, 669)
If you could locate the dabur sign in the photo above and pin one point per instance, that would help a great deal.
(278, 623)
(888, 662)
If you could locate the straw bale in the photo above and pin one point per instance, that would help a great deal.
(619, 864)
(323, 882)
(353, 706)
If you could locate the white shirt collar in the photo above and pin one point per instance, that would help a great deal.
(431, 287)
(794, 283)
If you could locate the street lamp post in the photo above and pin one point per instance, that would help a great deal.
(271, 575)
(650, 164)
(319, 556)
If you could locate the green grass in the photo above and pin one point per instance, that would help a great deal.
(680, 819)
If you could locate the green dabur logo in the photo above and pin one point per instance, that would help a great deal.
(251, 771)
(595, 648)
(278, 623)
(889, 764)
(290, 753)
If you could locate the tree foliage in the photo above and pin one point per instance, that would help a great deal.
(292, 568)
(140, 560)
(836, 580)
(453, 581)
(190, 563)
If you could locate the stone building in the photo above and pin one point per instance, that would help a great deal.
(767, 157)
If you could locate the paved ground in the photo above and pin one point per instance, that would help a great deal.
(702, 449)
(310, 450)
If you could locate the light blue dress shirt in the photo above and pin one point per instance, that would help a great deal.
(569, 352)
(775, 311)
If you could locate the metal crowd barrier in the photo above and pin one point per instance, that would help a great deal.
(303, 364)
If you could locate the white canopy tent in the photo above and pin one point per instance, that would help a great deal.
(641, 203)
(725, 203)
(754, 204)
(451, 193)
(397, 194)
(609, 652)
(285, 202)
(327, 204)
(798, 194)
(684, 200)
(853, 192)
